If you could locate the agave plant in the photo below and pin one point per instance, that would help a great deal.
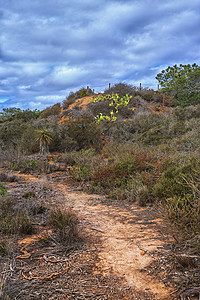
(44, 136)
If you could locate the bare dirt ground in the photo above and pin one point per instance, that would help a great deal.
(119, 241)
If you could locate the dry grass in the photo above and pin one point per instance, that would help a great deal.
(65, 222)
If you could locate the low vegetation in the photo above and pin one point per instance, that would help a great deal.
(124, 146)
(65, 223)
(128, 144)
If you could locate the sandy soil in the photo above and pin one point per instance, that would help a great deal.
(129, 235)
(123, 237)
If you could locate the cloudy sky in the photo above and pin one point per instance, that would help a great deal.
(49, 48)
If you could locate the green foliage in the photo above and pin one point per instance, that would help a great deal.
(44, 136)
(14, 113)
(176, 180)
(182, 82)
(101, 117)
(147, 168)
(29, 142)
(27, 115)
(25, 165)
(13, 220)
(81, 164)
(6, 204)
(82, 133)
(62, 217)
(183, 213)
(152, 96)
(80, 172)
(179, 190)
(143, 196)
(8, 114)
(11, 132)
(65, 222)
(115, 101)
(122, 89)
(187, 113)
(3, 248)
(22, 223)
(51, 111)
(164, 133)
(3, 190)
(159, 129)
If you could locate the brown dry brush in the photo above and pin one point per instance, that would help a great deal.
(65, 223)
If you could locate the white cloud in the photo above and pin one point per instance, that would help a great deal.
(50, 98)
(48, 48)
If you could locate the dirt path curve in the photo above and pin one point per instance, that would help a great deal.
(128, 233)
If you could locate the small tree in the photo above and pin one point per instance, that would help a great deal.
(44, 137)
(183, 82)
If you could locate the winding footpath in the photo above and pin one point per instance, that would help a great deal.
(128, 234)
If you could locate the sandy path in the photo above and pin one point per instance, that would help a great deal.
(128, 233)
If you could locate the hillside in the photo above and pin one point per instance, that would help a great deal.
(128, 165)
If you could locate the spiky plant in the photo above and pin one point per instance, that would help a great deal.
(44, 136)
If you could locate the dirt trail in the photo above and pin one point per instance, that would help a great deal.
(128, 233)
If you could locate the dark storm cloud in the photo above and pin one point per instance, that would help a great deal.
(48, 48)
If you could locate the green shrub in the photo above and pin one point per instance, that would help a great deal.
(3, 190)
(29, 142)
(22, 223)
(83, 156)
(3, 248)
(148, 95)
(164, 133)
(51, 111)
(11, 133)
(116, 104)
(157, 97)
(143, 196)
(145, 122)
(25, 165)
(183, 213)
(19, 223)
(13, 220)
(187, 113)
(155, 136)
(13, 113)
(189, 142)
(6, 224)
(100, 107)
(81, 164)
(175, 181)
(179, 190)
(65, 222)
(122, 89)
(145, 167)
(6, 205)
(80, 172)
(83, 132)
